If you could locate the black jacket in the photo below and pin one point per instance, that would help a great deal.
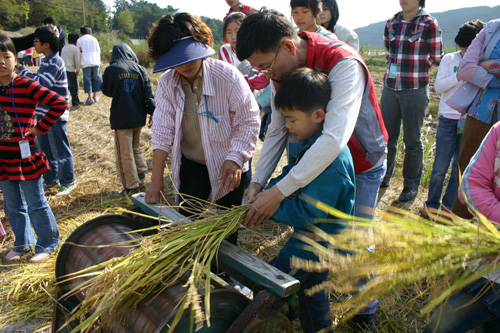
(129, 85)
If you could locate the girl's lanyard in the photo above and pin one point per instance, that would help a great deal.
(207, 113)
(24, 145)
(393, 67)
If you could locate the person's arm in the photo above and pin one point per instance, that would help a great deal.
(469, 69)
(246, 123)
(57, 105)
(446, 78)
(387, 42)
(148, 93)
(24, 42)
(155, 190)
(47, 77)
(162, 138)
(78, 60)
(481, 177)
(434, 43)
(107, 82)
(348, 82)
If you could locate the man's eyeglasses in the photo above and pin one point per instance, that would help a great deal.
(270, 68)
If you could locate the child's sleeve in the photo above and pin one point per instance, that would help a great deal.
(57, 105)
(329, 188)
(107, 82)
(481, 179)
(47, 78)
(149, 96)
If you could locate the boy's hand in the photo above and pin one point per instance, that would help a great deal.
(253, 190)
(230, 175)
(31, 132)
(263, 207)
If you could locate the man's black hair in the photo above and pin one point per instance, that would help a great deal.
(72, 38)
(262, 31)
(304, 90)
(422, 3)
(49, 20)
(85, 30)
(46, 34)
(313, 5)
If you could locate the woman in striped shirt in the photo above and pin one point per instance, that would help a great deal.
(206, 117)
(21, 161)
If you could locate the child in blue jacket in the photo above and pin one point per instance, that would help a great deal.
(302, 97)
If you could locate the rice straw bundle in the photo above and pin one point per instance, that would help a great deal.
(161, 261)
(408, 248)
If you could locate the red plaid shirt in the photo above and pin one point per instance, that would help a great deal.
(419, 46)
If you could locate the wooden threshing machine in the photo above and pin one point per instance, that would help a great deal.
(231, 311)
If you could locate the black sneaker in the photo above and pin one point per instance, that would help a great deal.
(141, 175)
(408, 194)
(128, 191)
(365, 322)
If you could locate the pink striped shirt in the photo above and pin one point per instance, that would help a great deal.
(229, 99)
(257, 81)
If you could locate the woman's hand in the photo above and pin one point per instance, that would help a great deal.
(154, 192)
(230, 175)
(486, 64)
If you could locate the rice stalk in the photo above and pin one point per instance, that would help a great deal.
(408, 248)
(115, 287)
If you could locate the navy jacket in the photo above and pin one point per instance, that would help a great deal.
(129, 85)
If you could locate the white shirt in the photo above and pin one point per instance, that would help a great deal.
(91, 52)
(446, 83)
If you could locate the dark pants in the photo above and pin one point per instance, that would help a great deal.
(314, 310)
(195, 182)
(73, 88)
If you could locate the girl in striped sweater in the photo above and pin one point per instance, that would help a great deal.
(21, 161)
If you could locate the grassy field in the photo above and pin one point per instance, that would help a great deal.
(93, 150)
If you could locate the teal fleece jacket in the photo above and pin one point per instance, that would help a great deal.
(334, 187)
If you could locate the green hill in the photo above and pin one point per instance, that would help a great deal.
(449, 22)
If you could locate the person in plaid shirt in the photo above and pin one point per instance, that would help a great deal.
(413, 44)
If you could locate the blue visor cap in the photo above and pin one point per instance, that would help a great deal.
(183, 51)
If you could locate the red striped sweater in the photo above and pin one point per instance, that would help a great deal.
(27, 94)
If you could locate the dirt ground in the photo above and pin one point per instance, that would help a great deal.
(93, 149)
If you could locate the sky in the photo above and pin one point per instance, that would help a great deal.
(353, 14)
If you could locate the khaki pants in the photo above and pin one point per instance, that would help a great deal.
(130, 159)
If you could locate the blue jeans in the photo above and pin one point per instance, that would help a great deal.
(314, 311)
(447, 148)
(407, 107)
(28, 207)
(470, 308)
(367, 186)
(92, 79)
(55, 145)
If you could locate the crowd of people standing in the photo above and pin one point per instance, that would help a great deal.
(205, 119)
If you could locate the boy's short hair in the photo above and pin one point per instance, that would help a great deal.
(6, 44)
(304, 90)
(85, 30)
(73, 38)
(313, 5)
(46, 34)
(262, 31)
(422, 3)
(49, 20)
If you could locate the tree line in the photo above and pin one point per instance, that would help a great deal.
(130, 17)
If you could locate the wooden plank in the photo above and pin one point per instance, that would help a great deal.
(244, 266)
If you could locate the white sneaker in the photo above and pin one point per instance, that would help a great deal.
(66, 189)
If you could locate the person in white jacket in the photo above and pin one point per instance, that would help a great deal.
(449, 131)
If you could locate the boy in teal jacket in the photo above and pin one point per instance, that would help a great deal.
(302, 97)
